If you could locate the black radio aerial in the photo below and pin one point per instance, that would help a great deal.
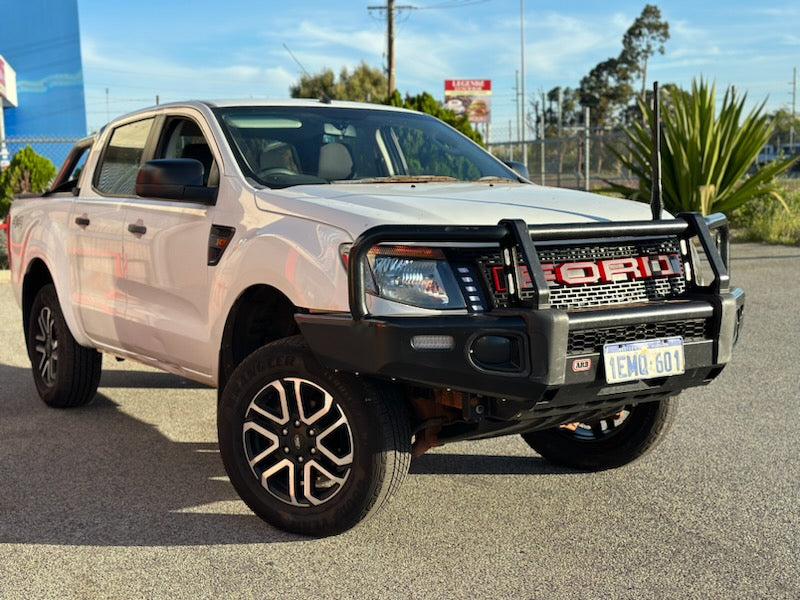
(656, 202)
(323, 96)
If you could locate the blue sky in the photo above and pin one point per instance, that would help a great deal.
(237, 48)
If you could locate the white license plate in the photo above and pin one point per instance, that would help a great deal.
(632, 361)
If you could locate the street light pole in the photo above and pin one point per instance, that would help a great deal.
(794, 104)
(522, 60)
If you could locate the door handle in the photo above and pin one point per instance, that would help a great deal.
(137, 229)
(82, 221)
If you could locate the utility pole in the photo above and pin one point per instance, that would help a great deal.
(390, 43)
(390, 8)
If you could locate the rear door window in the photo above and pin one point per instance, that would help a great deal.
(116, 175)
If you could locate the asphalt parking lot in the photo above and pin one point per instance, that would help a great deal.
(127, 498)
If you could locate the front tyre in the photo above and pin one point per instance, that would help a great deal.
(606, 443)
(309, 450)
(66, 374)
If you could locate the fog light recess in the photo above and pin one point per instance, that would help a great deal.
(497, 353)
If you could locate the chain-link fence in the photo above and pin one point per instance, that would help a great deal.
(561, 161)
(53, 149)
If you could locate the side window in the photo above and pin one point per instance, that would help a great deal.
(121, 159)
(70, 173)
(184, 139)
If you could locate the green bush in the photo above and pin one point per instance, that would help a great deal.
(28, 173)
(765, 219)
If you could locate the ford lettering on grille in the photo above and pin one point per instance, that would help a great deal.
(607, 270)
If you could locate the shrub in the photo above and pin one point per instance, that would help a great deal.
(767, 220)
(28, 173)
(705, 156)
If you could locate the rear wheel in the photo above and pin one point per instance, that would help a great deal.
(309, 450)
(66, 374)
(606, 443)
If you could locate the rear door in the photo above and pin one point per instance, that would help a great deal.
(95, 232)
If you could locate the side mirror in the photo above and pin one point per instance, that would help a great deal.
(174, 179)
(519, 167)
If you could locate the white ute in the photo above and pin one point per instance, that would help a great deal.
(362, 283)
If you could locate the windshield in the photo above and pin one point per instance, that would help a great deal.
(281, 146)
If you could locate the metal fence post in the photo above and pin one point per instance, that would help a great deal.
(543, 148)
(586, 159)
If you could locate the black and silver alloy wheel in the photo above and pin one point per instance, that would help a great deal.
(310, 450)
(46, 347)
(298, 442)
(608, 442)
(66, 374)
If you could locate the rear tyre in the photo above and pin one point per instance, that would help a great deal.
(309, 450)
(66, 374)
(607, 443)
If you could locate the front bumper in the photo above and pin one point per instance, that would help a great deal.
(534, 364)
(527, 354)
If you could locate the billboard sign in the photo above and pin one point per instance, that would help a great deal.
(472, 97)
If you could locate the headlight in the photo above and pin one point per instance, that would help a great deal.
(413, 275)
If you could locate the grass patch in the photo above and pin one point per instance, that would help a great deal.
(766, 220)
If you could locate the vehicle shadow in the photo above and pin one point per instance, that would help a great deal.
(147, 379)
(96, 476)
(472, 464)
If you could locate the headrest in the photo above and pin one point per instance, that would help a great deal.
(335, 161)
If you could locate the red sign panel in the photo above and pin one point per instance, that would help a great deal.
(468, 85)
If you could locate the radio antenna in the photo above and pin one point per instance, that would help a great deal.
(323, 96)
(656, 202)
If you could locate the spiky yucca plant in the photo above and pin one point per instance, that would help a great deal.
(705, 157)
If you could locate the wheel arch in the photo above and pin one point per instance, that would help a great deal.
(261, 314)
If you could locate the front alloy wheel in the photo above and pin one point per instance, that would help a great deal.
(298, 442)
(310, 450)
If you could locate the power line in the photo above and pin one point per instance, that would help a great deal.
(448, 4)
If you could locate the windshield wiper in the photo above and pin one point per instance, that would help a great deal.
(495, 178)
(399, 179)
